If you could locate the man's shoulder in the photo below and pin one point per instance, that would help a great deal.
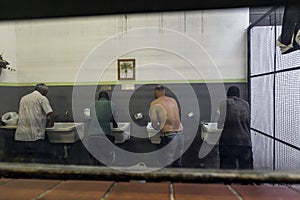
(35, 94)
(169, 98)
(236, 99)
(243, 101)
(40, 96)
(152, 104)
(103, 102)
(30, 95)
(155, 101)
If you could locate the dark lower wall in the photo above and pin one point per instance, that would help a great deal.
(138, 100)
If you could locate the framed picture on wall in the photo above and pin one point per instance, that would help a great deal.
(126, 69)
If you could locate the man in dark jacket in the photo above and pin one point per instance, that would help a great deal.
(235, 146)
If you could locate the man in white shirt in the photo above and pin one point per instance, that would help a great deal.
(34, 110)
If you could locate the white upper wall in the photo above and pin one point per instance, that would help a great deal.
(196, 45)
(8, 50)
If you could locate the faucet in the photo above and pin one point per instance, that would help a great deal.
(67, 113)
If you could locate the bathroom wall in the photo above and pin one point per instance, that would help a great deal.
(8, 49)
(194, 46)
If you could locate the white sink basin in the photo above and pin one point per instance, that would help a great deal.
(210, 133)
(122, 126)
(122, 132)
(65, 132)
(153, 134)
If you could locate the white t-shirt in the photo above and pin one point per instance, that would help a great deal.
(33, 110)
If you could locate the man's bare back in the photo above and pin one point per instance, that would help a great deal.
(164, 113)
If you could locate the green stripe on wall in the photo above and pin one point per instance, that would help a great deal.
(128, 82)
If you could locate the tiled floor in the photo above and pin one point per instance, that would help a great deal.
(34, 189)
(257, 192)
(141, 191)
(77, 154)
(79, 190)
(202, 191)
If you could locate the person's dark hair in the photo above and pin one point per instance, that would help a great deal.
(233, 91)
(159, 88)
(42, 88)
(103, 95)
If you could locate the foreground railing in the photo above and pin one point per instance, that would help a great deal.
(43, 171)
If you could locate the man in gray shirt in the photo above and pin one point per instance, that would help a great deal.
(34, 110)
(235, 146)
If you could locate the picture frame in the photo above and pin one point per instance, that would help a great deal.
(126, 69)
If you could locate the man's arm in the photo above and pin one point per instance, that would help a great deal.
(113, 120)
(115, 125)
(158, 116)
(222, 116)
(154, 117)
(51, 116)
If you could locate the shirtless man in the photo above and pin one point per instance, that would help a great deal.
(164, 113)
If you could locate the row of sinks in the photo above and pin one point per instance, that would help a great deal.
(66, 133)
(69, 132)
(72, 132)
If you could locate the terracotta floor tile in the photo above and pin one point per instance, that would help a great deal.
(140, 191)
(5, 180)
(78, 190)
(263, 192)
(19, 189)
(190, 191)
